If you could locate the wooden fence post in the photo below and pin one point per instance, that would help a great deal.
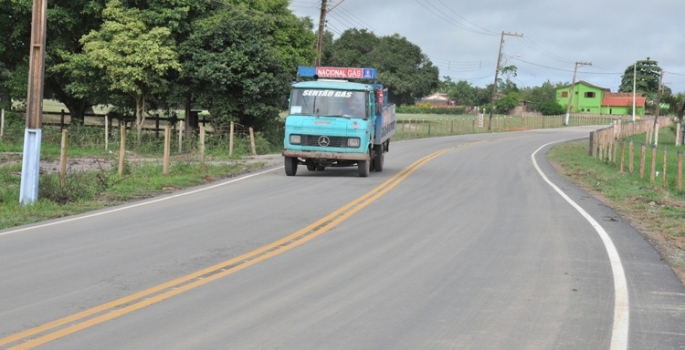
(642, 160)
(63, 159)
(61, 121)
(651, 176)
(254, 147)
(623, 153)
(122, 147)
(230, 141)
(167, 149)
(680, 170)
(665, 163)
(202, 143)
(106, 132)
(2, 123)
(631, 155)
(181, 127)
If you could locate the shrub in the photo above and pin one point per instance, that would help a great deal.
(551, 108)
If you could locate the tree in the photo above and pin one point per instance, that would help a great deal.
(402, 67)
(134, 57)
(504, 105)
(507, 86)
(236, 70)
(537, 96)
(462, 93)
(647, 78)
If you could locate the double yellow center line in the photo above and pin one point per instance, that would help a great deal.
(71, 324)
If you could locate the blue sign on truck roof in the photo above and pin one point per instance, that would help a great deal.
(337, 72)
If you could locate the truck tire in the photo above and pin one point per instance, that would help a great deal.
(379, 158)
(311, 166)
(364, 168)
(290, 166)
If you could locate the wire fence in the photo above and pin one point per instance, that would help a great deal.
(660, 162)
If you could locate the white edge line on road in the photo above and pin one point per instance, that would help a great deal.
(138, 204)
(619, 334)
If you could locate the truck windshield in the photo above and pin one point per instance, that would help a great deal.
(328, 103)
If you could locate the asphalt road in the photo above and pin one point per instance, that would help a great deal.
(465, 242)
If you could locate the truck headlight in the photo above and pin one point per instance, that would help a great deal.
(353, 142)
(295, 139)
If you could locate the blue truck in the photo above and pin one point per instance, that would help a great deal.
(333, 121)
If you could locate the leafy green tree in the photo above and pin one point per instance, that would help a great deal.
(538, 96)
(235, 70)
(647, 73)
(134, 56)
(504, 105)
(353, 49)
(445, 84)
(506, 85)
(463, 94)
(484, 96)
(402, 67)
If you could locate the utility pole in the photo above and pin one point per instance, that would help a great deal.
(319, 41)
(28, 191)
(570, 97)
(322, 25)
(658, 102)
(634, 87)
(494, 86)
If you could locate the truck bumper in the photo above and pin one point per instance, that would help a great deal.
(326, 155)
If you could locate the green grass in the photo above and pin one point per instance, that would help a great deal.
(660, 209)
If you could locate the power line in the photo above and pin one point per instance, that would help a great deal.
(448, 19)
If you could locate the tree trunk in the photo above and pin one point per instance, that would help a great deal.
(77, 106)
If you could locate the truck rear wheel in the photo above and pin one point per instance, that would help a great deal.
(290, 166)
(364, 167)
(379, 158)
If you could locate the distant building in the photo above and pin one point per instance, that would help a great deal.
(592, 99)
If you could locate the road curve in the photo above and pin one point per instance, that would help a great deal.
(463, 242)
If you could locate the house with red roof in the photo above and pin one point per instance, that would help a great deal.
(591, 99)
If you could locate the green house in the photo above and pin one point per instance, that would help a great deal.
(587, 98)
(592, 99)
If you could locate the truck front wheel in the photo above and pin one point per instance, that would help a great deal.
(290, 166)
(364, 167)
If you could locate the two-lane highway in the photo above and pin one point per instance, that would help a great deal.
(464, 242)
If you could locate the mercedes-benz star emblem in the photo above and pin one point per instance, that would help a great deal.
(324, 141)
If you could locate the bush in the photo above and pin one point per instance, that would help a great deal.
(551, 108)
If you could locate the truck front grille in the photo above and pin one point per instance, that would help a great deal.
(324, 141)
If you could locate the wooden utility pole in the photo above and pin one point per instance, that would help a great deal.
(319, 41)
(570, 96)
(658, 102)
(28, 192)
(494, 86)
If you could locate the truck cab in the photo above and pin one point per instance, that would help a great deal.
(336, 122)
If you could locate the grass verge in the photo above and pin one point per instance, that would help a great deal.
(656, 212)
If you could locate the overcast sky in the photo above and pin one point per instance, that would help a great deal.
(462, 38)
